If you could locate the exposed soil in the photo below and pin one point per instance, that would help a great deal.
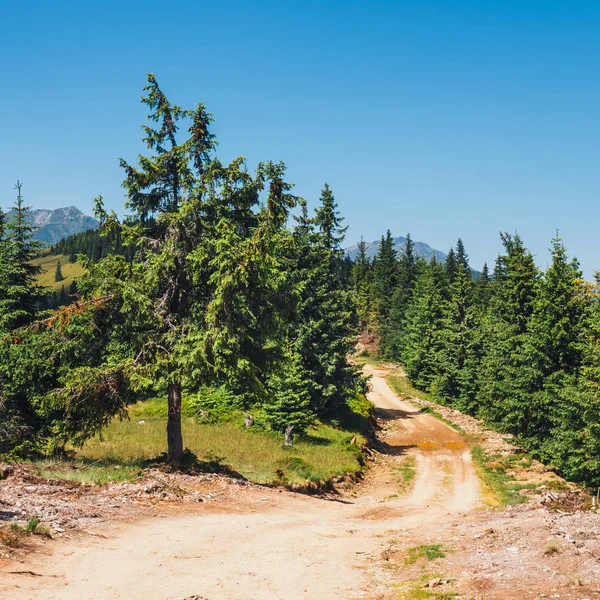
(213, 537)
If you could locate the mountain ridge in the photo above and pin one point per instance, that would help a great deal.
(421, 249)
(55, 224)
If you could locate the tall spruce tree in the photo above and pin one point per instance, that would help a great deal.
(325, 324)
(362, 282)
(21, 299)
(483, 288)
(460, 351)
(507, 376)
(385, 280)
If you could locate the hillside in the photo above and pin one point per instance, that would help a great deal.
(421, 249)
(54, 225)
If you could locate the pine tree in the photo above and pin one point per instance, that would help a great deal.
(385, 279)
(362, 281)
(324, 332)
(451, 265)
(289, 405)
(408, 270)
(424, 322)
(508, 378)
(58, 276)
(483, 289)
(460, 352)
(21, 298)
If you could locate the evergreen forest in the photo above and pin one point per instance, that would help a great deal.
(517, 347)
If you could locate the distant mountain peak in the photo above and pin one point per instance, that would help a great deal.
(55, 224)
(421, 249)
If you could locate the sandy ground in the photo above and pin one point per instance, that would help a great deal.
(274, 544)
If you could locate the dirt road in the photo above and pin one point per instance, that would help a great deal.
(273, 545)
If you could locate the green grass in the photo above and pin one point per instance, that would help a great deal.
(33, 526)
(403, 387)
(84, 471)
(126, 447)
(430, 552)
(501, 489)
(48, 264)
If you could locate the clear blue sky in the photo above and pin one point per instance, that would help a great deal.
(442, 119)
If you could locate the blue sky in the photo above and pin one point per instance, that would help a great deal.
(442, 119)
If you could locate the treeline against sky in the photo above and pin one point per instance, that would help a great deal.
(518, 347)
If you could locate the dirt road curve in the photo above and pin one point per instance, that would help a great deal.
(273, 545)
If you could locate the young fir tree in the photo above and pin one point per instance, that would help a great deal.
(459, 355)
(58, 276)
(424, 322)
(289, 409)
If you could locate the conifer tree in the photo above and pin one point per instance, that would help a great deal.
(508, 377)
(385, 279)
(362, 281)
(554, 343)
(424, 319)
(21, 298)
(451, 265)
(483, 289)
(58, 276)
(289, 405)
(325, 323)
(460, 352)
(407, 272)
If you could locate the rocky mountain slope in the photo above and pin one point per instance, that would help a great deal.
(53, 225)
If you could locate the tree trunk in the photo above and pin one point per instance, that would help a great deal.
(174, 437)
(289, 436)
(249, 420)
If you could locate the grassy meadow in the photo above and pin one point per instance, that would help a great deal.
(48, 264)
(125, 447)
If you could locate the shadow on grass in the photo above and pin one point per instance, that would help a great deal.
(113, 469)
(192, 465)
(315, 440)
